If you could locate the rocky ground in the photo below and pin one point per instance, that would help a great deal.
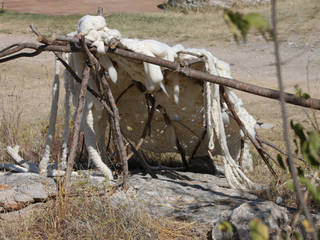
(184, 196)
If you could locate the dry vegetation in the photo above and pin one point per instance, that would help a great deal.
(24, 106)
(94, 216)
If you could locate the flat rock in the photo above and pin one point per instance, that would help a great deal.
(18, 190)
(186, 196)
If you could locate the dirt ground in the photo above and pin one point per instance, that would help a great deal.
(63, 7)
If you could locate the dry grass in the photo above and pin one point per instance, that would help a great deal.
(89, 216)
(206, 25)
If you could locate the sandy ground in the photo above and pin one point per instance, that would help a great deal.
(63, 7)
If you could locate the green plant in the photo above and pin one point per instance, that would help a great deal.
(241, 23)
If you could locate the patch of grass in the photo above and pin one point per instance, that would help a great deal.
(95, 217)
(19, 22)
(167, 25)
(205, 25)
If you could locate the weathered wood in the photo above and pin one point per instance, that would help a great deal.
(79, 80)
(245, 131)
(201, 76)
(232, 83)
(115, 119)
(100, 11)
(262, 141)
(117, 136)
(76, 128)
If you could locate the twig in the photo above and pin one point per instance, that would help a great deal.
(13, 167)
(79, 80)
(39, 48)
(305, 198)
(192, 61)
(168, 121)
(117, 136)
(150, 103)
(293, 169)
(203, 135)
(278, 149)
(76, 128)
(115, 119)
(195, 74)
(244, 130)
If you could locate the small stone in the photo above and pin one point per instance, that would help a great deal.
(279, 200)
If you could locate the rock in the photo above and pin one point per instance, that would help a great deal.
(14, 215)
(187, 196)
(274, 216)
(18, 190)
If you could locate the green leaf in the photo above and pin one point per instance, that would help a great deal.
(258, 230)
(280, 161)
(297, 236)
(314, 146)
(260, 23)
(226, 226)
(299, 132)
(306, 96)
(237, 23)
(307, 226)
(299, 92)
(312, 189)
(290, 185)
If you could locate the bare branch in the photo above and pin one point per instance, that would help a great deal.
(278, 149)
(175, 66)
(293, 170)
(76, 128)
(79, 80)
(244, 130)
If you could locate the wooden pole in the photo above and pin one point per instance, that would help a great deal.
(191, 73)
(76, 128)
(245, 131)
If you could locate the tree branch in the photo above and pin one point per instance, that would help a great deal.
(293, 170)
(201, 76)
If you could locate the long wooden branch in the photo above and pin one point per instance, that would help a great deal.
(73, 46)
(76, 128)
(115, 119)
(245, 131)
(232, 83)
(79, 80)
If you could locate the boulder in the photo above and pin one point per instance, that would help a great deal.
(271, 214)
